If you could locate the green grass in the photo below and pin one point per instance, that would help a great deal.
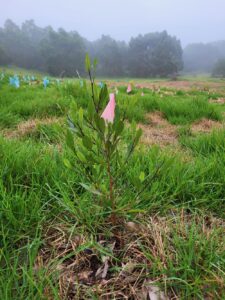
(181, 212)
(178, 109)
(213, 143)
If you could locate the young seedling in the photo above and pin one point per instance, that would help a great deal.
(96, 139)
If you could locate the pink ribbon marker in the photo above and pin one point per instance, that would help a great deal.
(109, 112)
(129, 88)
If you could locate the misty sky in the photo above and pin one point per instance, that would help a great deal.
(189, 20)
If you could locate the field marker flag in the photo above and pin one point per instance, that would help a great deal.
(14, 81)
(17, 82)
(45, 82)
(101, 84)
(129, 88)
(109, 112)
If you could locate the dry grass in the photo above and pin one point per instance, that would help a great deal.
(118, 266)
(177, 85)
(158, 131)
(29, 126)
(219, 100)
(206, 126)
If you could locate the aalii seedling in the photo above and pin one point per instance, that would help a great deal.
(95, 137)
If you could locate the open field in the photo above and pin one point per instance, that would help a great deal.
(56, 242)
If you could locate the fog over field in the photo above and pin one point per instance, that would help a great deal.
(190, 20)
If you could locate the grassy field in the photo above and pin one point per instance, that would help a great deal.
(56, 242)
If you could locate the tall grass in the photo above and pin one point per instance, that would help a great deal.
(186, 191)
(206, 144)
(179, 110)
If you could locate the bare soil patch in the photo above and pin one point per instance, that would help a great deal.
(219, 100)
(158, 130)
(28, 126)
(206, 125)
(178, 85)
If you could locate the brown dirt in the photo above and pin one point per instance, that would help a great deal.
(28, 126)
(159, 131)
(179, 85)
(206, 125)
(115, 267)
(219, 100)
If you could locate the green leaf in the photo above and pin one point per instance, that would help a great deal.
(100, 123)
(136, 182)
(90, 189)
(142, 176)
(81, 115)
(95, 92)
(81, 156)
(73, 106)
(135, 211)
(87, 63)
(87, 142)
(103, 96)
(70, 140)
(67, 163)
(137, 137)
(119, 126)
(91, 110)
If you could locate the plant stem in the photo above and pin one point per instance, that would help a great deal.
(111, 193)
(92, 90)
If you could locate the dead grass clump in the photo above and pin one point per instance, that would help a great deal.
(121, 266)
(219, 100)
(29, 126)
(206, 125)
(158, 130)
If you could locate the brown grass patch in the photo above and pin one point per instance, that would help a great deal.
(177, 85)
(159, 131)
(29, 126)
(206, 125)
(117, 266)
(219, 100)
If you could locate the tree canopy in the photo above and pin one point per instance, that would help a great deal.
(57, 52)
(219, 69)
(201, 57)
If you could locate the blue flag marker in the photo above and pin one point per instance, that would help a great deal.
(101, 84)
(14, 81)
(45, 82)
(17, 83)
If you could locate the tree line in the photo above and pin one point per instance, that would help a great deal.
(60, 52)
(205, 58)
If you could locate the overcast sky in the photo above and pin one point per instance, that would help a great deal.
(189, 20)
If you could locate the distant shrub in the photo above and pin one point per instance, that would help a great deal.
(219, 69)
